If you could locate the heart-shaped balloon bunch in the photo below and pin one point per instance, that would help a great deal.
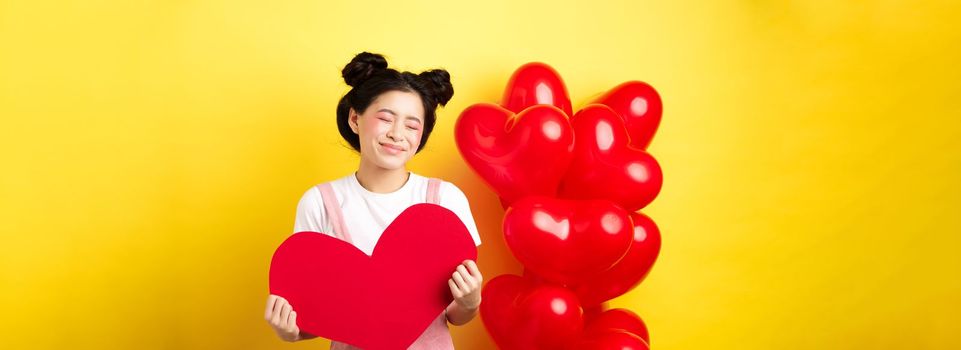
(572, 185)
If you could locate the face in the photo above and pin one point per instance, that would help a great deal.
(390, 129)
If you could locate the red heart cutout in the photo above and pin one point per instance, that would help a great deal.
(567, 241)
(606, 166)
(517, 155)
(382, 301)
(641, 108)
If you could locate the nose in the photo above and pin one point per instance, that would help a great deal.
(394, 132)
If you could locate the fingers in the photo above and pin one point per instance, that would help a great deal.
(280, 313)
(456, 292)
(465, 280)
(270, 306)
(474, 271)
(284, 315)
(275, 312)
(278, 308)
(292, 320)
(463, 272)
(282, 318)
(469, 279)
(459, 280)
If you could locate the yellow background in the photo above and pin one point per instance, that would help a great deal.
(153, 153)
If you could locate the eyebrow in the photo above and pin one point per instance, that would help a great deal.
(411, 117)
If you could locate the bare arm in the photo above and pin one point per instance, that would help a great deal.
(459, 315)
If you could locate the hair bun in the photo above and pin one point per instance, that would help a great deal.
(362, 67)
(438, 81)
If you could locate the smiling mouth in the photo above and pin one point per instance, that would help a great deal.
(396, 148)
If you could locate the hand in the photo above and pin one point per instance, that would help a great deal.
(465, 285)
(282, 318)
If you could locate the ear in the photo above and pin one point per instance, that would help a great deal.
(352, 120)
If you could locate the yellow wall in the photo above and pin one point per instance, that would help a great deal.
(153, 153)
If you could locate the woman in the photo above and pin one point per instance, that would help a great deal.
(387, 116)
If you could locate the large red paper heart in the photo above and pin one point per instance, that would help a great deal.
(517, 155)
(605, 165)
(382, 301)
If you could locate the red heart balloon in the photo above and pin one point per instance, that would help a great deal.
(551, 318)
(521, 314)
(338, 291)
(536, 83)
(612, 339)
(499, 309)
(640, 107)
(630, 270)
(565, 240)
(592, 311)
(517, 155)
(617, 319)
(606, 166)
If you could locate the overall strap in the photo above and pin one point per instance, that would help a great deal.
(336, 218)
(334, 213)
(433, 191)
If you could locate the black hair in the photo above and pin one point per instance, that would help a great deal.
(369, 77)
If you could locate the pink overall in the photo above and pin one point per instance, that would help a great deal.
(436, 336)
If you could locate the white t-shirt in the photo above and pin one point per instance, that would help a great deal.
(367, 214)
